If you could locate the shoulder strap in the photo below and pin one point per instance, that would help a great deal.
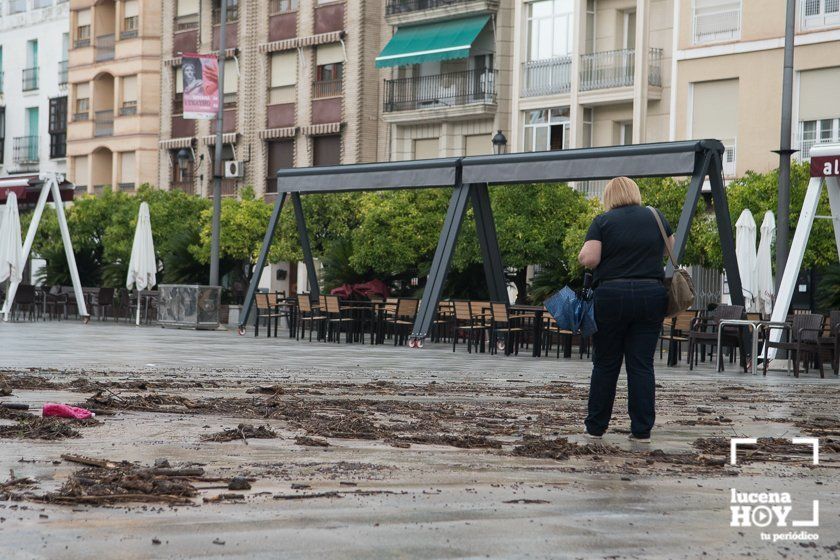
(664, 235)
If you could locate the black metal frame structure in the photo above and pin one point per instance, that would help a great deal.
(471, 176)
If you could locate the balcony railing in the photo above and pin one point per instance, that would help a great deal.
(612, 69)
(183, 186)
(104, 47)
(129, 108)
(819, 13)
(187, 22)
(103, 123)
(721, 25)
(130, 28)
(25, 150)
(546, 77)
(326, 88)
(81, 116)
(30, 79)
(62, 73)
(805, 141)
(402, 6)
(440, 90)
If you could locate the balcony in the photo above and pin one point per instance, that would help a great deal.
(25, 151)
(62, 73)
(547, 77)
(104, 47)
(128, 109)
(402, 6)
(130, 28)
(400, 12)
(441, 90)
(103, 123)
(326, 88)
(30, 79)
(719, 24)
(816, 14)
(616, 69)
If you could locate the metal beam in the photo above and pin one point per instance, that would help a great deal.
(369, 176)
(724, 224)
(441, 261)
(692, 196)
(261, 260)
(488, 241)
(303, 233)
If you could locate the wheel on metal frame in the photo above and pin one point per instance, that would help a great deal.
(241, 330)
(500, 345)
(412, 343)
(86, 319)
(420, 343)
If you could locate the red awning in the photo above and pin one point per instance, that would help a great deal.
(27, 188)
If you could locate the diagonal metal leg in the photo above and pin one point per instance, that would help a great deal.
(489, 242)
(442, 260)
(255, 278)
(724, 223)
(689, 208)
(303, 233)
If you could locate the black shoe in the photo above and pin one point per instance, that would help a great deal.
(639, 439)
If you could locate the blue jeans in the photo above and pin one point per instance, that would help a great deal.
(629, 315)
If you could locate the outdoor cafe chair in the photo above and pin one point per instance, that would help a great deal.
(465, 322)
(266, 309)
(338, 319)
(26, 301)
(703, 332)
(403, 319)
(102, 300)
(675, 332)
(803, 342)
(307, 313)
(504, 332)
(443, 318)
(552, 330)
(831, 339)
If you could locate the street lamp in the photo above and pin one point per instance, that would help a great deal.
(499, 143)
(184, 158)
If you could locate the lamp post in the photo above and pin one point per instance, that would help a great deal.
(184, 158)
(217, 160)
(499, 143)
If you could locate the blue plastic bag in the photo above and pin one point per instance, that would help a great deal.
(572, 311)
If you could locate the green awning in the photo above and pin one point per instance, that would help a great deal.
(443, 40)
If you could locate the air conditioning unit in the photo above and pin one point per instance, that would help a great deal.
(234, 169)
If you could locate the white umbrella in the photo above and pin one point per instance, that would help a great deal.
(11, 249)
(142, 268)
(765, 285)
(745, 252)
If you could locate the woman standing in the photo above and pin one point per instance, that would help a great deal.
(625, 248)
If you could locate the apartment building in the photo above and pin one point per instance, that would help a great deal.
(114, 71)
(591, 73)
(33, 86)
(305, 69)
(446, 77)
(728, 85)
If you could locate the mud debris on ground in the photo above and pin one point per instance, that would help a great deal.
(560, 448)
(241, 432)
(52, 428)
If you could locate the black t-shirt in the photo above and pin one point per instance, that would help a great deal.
(631, 244)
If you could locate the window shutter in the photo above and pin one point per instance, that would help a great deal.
(131, 8)
(82, 18)
(187, 7)
(129, 88)
(329, 54)
(231, 77)
(818, 94)
(283, 69)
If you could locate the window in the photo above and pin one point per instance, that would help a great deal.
(186, 15)
(329, 60)
(58, 127)
(17, 6)
(546, 129)
(714, 114)
(281, 155)
(819, 13)
(231, 82)
(81, 112)
(128, 170)
(80, 172)
(2, 133)
(628, 29)
(326, 150)
(283, 6)
(43, 3)
(716, 20)
(284, 67)
(625, 133)
(588, 116)
(426, 148)
(232, 11)
(129, 96)
(550, 29)
(131, 19)
(82, 28)
(818, 109)
(478, 144)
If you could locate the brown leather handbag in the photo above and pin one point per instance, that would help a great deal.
(680, 286)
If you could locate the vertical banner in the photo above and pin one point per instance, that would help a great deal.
(201, 85)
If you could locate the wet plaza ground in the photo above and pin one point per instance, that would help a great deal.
(384, 452)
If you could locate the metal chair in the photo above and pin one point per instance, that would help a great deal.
(804, 341)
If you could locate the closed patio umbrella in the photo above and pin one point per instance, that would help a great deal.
(142, 268)
(745, 252)
(11, 249)
(766, 287)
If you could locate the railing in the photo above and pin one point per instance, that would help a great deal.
(104, 47)
(81, 116)
(103, 123)
(611, 69)
(717, 26)
(728, 160)
(130, 27)
(819, 13)
(186, 23)
(282, 6)
(229, 187)
(805, 142)
(546, 77)
(25, 150)
(129, 108)
(402, 6)
(125, 186)
(440, 90)
(232, 11)
(326, 88)
(30, 79)
(62, 73)
(183, 186)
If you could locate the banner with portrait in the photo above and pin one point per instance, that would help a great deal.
(200, 73)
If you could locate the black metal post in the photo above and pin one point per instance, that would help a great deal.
(785, 151)
(303, 233)
(724, 224)
(215, 235)
(261, 260)
(692, 196)
(442, 260)
(488, 241)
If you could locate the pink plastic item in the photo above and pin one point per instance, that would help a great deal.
(66, 411)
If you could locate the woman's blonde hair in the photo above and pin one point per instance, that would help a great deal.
(621, 191)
